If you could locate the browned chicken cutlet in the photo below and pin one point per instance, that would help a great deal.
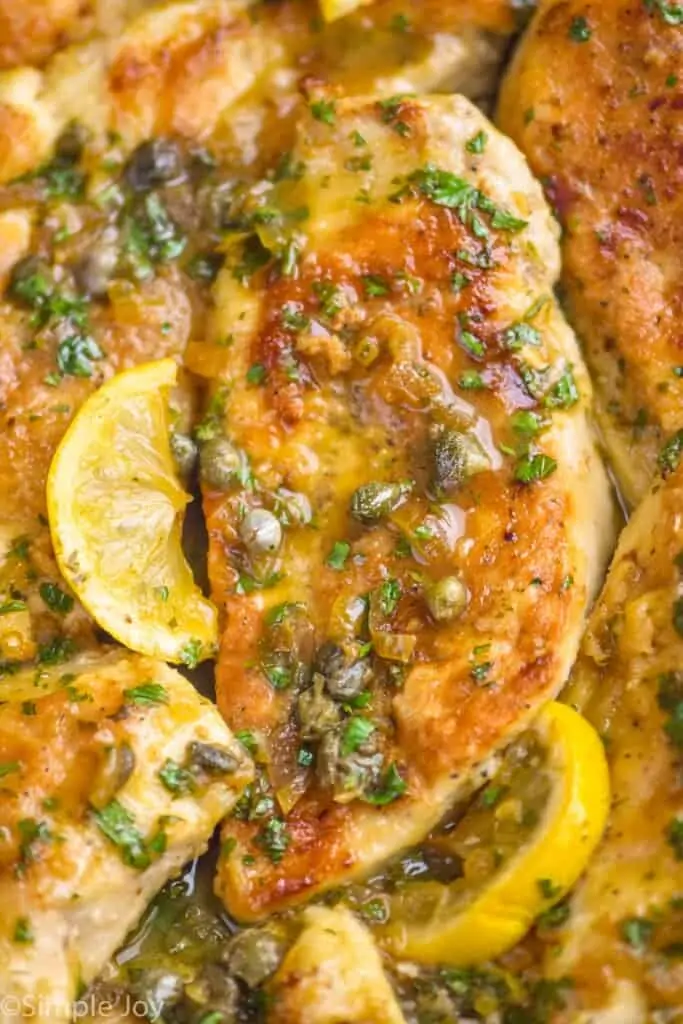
(69, 136)
(406, 513)
(594, 98)
(233, 73)
(621, 943)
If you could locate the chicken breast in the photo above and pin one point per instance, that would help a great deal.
(593, 98)
(114, 773)
(619, 945)
(406, 513)
(92, 235)
(38, 403)
(333, 975)
(234, 72)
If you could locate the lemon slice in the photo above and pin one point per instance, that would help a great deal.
(523, 844)
(116, 511)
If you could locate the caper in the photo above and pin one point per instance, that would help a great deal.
(293, 508)
(184, 451)
(317, 713)
(32, 282)
(346, 675)
(372, 501)
(158, 988)
(71, 143)
(153, 163)
(447, 599)
(261, 532)
(348, 775)
(254, 955)
(96, 269)
(215, 993)
(220, 463)
(457, 456)
(210, 758)
(117, 767)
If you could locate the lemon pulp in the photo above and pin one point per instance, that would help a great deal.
(517, 851)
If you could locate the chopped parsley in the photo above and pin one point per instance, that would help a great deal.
(55, 598)
(548, 889)
(338, 555)
(389, 594)
(526, 422)
(119, 827)
(248, 740)
(670, 455)
(670, 13)
(256, 374)
(325, 111)
(151, 237)
(293, 318)
(491, 795)
(23, 933)
(274, 839)
(531, 468)
(146, 695)
(375, 286)
(61, 312)
(191, 653)
(390, 788)
(555, 917)
(76, 354)
(31, 834)
(471, 380)
(390, 113)
(56, 651)
(520, 334)
(477, 144)
(175, 778)
(13, 606)
(254, 256)
(475, 346)
(447, 189)
(563, 394)
(357, 731)
(330, 297)
(637, 932)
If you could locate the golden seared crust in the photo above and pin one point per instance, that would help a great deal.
(408, 307)
(626, 913)
(33, 30)
(233, 72)
(30, 31)
(95, 816)
(594, 99)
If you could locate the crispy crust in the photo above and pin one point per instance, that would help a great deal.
(600, 123)
(630, 649)
(325, 434)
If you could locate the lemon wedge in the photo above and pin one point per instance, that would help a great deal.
(116, 510)
(523, 844)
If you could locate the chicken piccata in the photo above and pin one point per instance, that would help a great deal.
(284, 361)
